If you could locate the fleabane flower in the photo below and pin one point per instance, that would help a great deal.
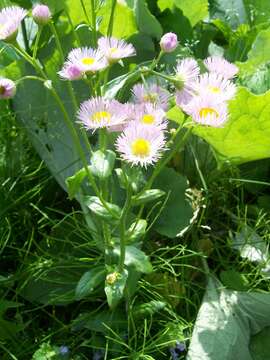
(114, 49)
(215, 84)
(41, 14)
(152, 93)
(7, 88)
(207, 110)
(141, 145)
(10, 20)
(149, 115)
(86, 60)
(186, 73)
(219, 65)
(98, 112)
(71, 72)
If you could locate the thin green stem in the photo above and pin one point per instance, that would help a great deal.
(85, 12)
(166, 77)
(25, 39)
(37, 42)
(156, 60)
(123, 230)
(110, 26)
(94, 21)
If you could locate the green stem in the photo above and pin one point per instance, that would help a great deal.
(25, 40)
(110, 26)
(37, 42)
(166, 77)
(123, 231)
(157, 60)
(94, 21)
(179, 142)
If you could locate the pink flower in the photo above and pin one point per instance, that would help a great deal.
(218, 65)
(215, 84)
(70, 71)
(207, 110)
(153, 93)
(141, 145)
(187, 72)
(114, 49)
(98, 112)
(150, 115)
(41, 14)
(7, 88)
(10, 20)
(168, 42)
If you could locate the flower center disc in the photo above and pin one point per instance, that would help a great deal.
(214, 89)
(148, 119)
(88, 61)
(141, 148)
(150, 97)
(204, 112)
(113, 50)
(101, 115)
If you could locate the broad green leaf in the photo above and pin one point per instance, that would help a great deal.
(196, 12)
(136, 231)
(258, 55)
(258, 10)
(89, 282)
(165, 4)
(146, 22)
(225, 323)
(245, 137)
(231, 11)
(124, 24)
(46, 351)
(177, 212)
(74, 182)
(147, 196)
(130, 176)
(115, 286)
(234, 280)
(260, 345)
(110, 212)
(176, 114)
(102, 163)
(136, 258)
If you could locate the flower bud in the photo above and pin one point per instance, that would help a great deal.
(7, 88)
(168, 42)
(41, 14)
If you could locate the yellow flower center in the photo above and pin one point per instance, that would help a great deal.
(214, 89)
(141, 148)
(151, 97)
(204, 112)
(101, 115)
(113, 50)
(88, 61)
(148, 119)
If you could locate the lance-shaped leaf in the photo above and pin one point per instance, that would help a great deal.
(89, 282)
(74, 182)
(147, 196)
(136, 258)
(136, 231)
(106, 212)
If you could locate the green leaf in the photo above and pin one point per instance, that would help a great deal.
(234, 280)
(110, 212)
(177, 212)
(117, 87)
(115, 286)
(233, 12)
(146, 22)
(147, 196)
(258, 10)
(225, 322)
(245, 137)
(74, 182)
(124, 23)
(165, 4)
(46, 352)
(258, 55)
(196, 12)
(260, 345)
(130, 176)
(89, 282)
(136, 258)
(136, 231)
(148, 309)
(176, 114)
(102, 163)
